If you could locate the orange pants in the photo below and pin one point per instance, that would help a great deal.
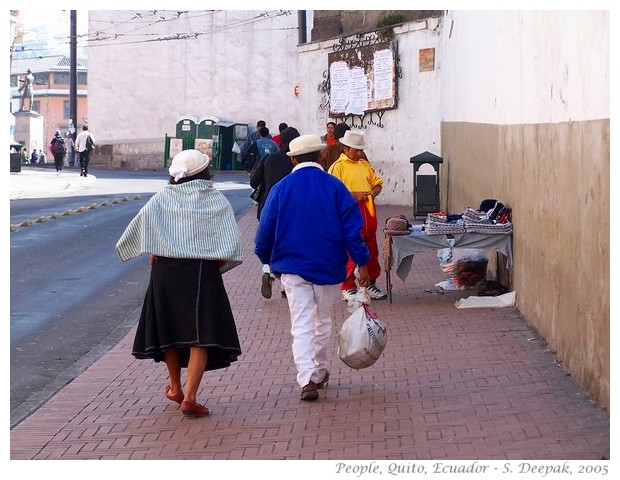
(369, 233)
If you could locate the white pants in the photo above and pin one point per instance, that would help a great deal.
(311, 325)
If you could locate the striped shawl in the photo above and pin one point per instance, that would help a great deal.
(189, 220)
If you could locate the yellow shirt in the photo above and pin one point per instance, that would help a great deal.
(358, 176)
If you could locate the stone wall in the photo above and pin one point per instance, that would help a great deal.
(330, 24)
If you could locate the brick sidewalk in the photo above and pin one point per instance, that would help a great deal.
(452, 384)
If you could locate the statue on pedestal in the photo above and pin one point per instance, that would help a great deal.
(27, 89)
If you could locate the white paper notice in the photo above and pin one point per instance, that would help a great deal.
(383, 74)
(358, 92)
(339, 86)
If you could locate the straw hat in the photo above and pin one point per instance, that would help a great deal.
(305, 144)
(353, 139)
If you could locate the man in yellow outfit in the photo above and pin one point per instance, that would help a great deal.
(364, 184)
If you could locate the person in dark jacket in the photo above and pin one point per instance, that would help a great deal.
(270, 171)
(58, 153)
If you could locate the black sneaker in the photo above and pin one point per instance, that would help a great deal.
(265, 285)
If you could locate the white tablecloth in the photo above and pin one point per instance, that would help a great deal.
(406, 246)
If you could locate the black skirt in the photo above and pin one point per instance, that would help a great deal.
(186, 305)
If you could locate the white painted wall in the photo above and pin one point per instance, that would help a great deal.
(239, 65)
(541, 67)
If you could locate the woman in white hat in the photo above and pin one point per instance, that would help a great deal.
(190, 231)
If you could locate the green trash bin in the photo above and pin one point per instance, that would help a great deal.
(208, 140)
(221, 135)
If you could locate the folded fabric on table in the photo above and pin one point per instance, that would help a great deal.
(433, 228)
(490, 228)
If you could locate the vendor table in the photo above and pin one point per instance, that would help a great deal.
(404, 247)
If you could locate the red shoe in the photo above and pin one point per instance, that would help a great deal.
(174, 398)
(191, 409)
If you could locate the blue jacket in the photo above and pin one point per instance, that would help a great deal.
(308, 224)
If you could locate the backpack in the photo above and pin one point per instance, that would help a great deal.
(90, 145)
(266, 148)
(59, 146)
(251, 157)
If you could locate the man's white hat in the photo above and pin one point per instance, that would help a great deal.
(353, 139)
(305, 144)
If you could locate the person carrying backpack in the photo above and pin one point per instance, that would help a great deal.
(84, 144)
(58, 148)
(249, 150)
(266, 146)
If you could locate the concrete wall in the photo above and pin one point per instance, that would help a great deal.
(525, 119)
(236, 65)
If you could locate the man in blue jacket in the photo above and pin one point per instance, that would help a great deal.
(309, 223)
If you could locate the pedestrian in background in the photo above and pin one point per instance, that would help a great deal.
(84, 148)
(189, 230)
(276, 138)
(329, 137)
(34, 157)
(268, 172)
(70, 150)
(249, 152)
(58, 148)
(309, 225)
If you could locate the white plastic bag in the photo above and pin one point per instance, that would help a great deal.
(362, 338)
(362, 297)
(236, 148)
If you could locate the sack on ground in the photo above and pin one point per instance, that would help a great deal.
(362, 338)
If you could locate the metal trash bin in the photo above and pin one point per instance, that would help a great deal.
(426, 197)
(16, 157)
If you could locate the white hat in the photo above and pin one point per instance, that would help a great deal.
(188, 163)
(353, 139)
(305, 144)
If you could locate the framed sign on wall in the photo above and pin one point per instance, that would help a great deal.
(363, 79)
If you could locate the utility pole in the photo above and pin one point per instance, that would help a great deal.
(73, 75)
